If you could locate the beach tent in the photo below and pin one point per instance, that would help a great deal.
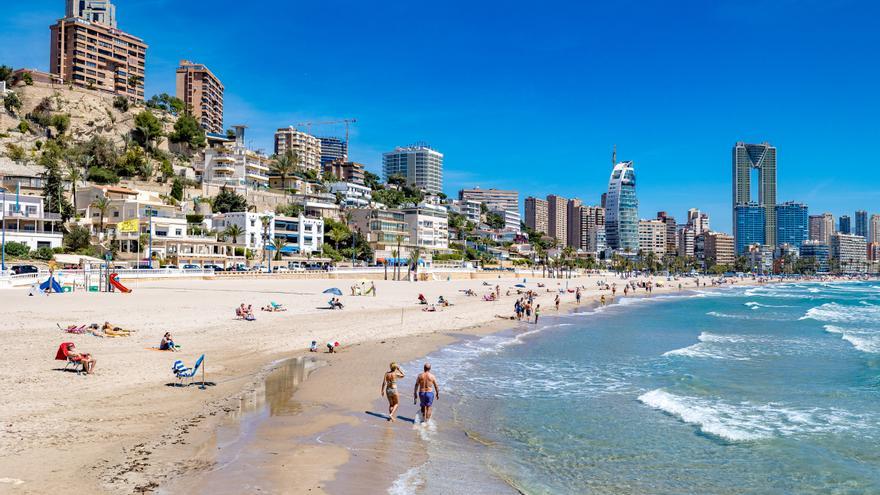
(333, 290)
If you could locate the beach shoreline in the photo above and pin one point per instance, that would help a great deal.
(122, 431)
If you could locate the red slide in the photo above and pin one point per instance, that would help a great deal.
(114, 281)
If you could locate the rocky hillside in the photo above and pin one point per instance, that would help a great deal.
(91, 114)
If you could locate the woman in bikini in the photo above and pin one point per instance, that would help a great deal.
(389, 389)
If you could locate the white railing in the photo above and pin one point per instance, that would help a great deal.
(80, 277)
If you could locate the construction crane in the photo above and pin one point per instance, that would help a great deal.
(347, 123)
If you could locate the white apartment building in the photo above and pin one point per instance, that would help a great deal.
(306, 146)
(512, 219)
(428, 226)
(301, 234)
(686, 240)
(850, 252)
(25, 221)
(353, 195)
(229, 163)
(251, 225)
(421, 165)
(467, 208)
(652, 237)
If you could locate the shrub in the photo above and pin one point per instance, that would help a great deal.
(17, 249)
(77, 238)
(28, 79)
(61, 122)
(12, 103)
(43, 253)
(24, 127)
(15, 152)
(121, 103)
(102, 175)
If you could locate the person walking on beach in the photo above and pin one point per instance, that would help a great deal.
(426, 391)
(389, 389)
(537, 313)
(577, 295)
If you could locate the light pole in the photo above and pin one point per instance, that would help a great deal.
(150, 231)
(3, 241)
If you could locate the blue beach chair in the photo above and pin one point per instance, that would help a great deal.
(182, 372)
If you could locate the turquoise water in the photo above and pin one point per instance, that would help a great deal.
(774, 389)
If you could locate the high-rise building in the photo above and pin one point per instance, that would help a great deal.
(763, 158)
(849, 253)
(622, 210)
(698, 220)
(844, 224)
(686, 239)
(821, 228)
(749, 226)
(421, 165)
(792, 224)
(508, 200)
(861, 227)
(536, 215)
(874, 232)
(332, 149)
(671, 228)
(557, 218)
(594, 224)
(87, 50)
(818, 253)
(98, 11)
(652, 237)
(573, 230)
(202, 93)
(718, 248)
(306, 146)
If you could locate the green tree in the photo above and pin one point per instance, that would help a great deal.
(278, 243)
(102, 152)
(132, 162)
(177, 189)
(337, 233)
(74, 176)
(228, 201)
(100, 175)
(495, 220)
(187, 130)
(28, 79)
(6, 75)
(54, 196)
(165, 169)
(372, 180)
(121, 103)
(285, 165)
(147, 129)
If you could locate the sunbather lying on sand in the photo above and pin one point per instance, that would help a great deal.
(113, 331)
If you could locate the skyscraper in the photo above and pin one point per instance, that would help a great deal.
(622, 210)
(844, 225)
(332, 149)
(507, 200)
(421, 165)
(861, 227)
(821, 228)
(557, 218)
(536, 214)
(698, 220)
(87, 50)
(763, 158)
(792, 224)
(202, 93)
(749, 227)
(573, 229)
(874, 234)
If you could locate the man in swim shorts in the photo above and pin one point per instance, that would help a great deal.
(426, 390)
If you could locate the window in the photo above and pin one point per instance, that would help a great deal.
(115, 214)
(178, 232)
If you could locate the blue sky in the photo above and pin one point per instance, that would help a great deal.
(533, 96)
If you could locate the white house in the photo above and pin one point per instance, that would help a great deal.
(353, 195)
(428, 226)
(24, 220)
(251, 225)
(301, 234)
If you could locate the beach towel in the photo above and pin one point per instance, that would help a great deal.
(61, 355)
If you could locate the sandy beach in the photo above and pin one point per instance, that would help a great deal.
(126, 430)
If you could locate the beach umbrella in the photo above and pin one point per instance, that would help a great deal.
(520, 285)
(334, 291)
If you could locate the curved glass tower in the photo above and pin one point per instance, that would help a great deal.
(622, 210)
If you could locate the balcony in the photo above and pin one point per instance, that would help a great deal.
(258, 177)
(223, 169)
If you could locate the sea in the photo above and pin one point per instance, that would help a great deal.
(772, 389)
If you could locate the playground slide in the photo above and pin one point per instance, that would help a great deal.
(51, 282)
(114, 281)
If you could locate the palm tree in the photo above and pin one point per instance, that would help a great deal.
(338, 233)
(266, 221)
(233, 231)
(285, 165)
(74, 175)
(102, 204)
(279, 244)
(397, 261)
(414, 255)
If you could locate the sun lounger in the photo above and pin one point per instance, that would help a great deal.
(71, 363)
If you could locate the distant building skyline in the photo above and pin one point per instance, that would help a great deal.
(622, 210)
